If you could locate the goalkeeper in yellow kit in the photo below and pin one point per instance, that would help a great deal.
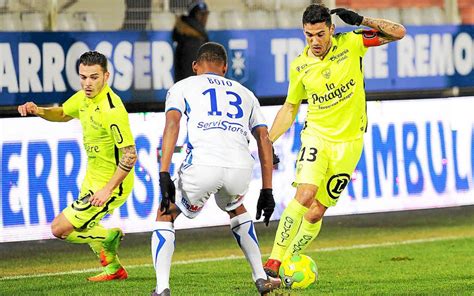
(111, 156)
(329, 74)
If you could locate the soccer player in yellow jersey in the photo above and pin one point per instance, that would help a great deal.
(111, 156)
(329, 74)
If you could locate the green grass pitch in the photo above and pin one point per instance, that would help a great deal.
(429, 252)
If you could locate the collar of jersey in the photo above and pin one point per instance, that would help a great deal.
(212, 73)
(102, 94)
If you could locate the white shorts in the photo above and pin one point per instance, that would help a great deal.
(195, 184)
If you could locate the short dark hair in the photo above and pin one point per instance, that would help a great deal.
(91, 58)
(317, 13)
(212, 52)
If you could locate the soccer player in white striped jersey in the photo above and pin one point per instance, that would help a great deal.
(221, 116)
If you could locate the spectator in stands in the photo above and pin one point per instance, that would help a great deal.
(111, 156)
(189, 34)
(329, 74)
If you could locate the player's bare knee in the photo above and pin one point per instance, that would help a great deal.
(306, 197)
(57, 230)
(316, 212)
(313, 215)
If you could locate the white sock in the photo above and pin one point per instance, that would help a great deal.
(244, 232)
(162, 248)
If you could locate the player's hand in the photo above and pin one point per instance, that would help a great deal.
(28, 108)
(348, 16)
(265, 203)
(167, 191)
(99, 198)
(276, 159)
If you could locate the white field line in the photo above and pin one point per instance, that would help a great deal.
(233, 257)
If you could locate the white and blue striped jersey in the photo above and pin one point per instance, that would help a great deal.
(221, 114)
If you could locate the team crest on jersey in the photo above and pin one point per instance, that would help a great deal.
(238, 53)
(326, 73)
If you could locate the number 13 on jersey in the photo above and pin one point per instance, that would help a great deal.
(233, 98)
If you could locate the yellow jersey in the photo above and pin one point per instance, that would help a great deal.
(106, 129)
(334, 88)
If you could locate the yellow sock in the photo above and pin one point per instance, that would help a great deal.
(290, 221)
(114, 264)
(96, 247)
(95, 234)
(306, 234)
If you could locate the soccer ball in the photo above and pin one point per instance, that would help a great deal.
(298, 272)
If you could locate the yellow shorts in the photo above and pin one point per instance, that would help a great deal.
(83, 215)
(328, 165)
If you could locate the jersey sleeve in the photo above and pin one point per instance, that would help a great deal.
(175, 99)
(356, 41)
(256, 116)
(71, 106)
(119, 127)
(296, 90)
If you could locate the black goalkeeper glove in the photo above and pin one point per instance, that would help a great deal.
(348, 16)
(167, 191)
(276, 159)
(265, 203)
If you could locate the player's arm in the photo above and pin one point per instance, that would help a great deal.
(170, 137)
(266, 202)
(386, 31)
(265, 155)
(283, 120)
(51, 113)
(125, 165)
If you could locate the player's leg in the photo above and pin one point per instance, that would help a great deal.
(243, 230)
(61, 227)
(86, 228)
(308, 230)
(193, 185)
(312, 163)
(79, 222)
(107, 250)
(80, 225)
(229, 198)
(162, 247)
(340, 167)
(108, 255)
(94, 236)
(288, 226)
